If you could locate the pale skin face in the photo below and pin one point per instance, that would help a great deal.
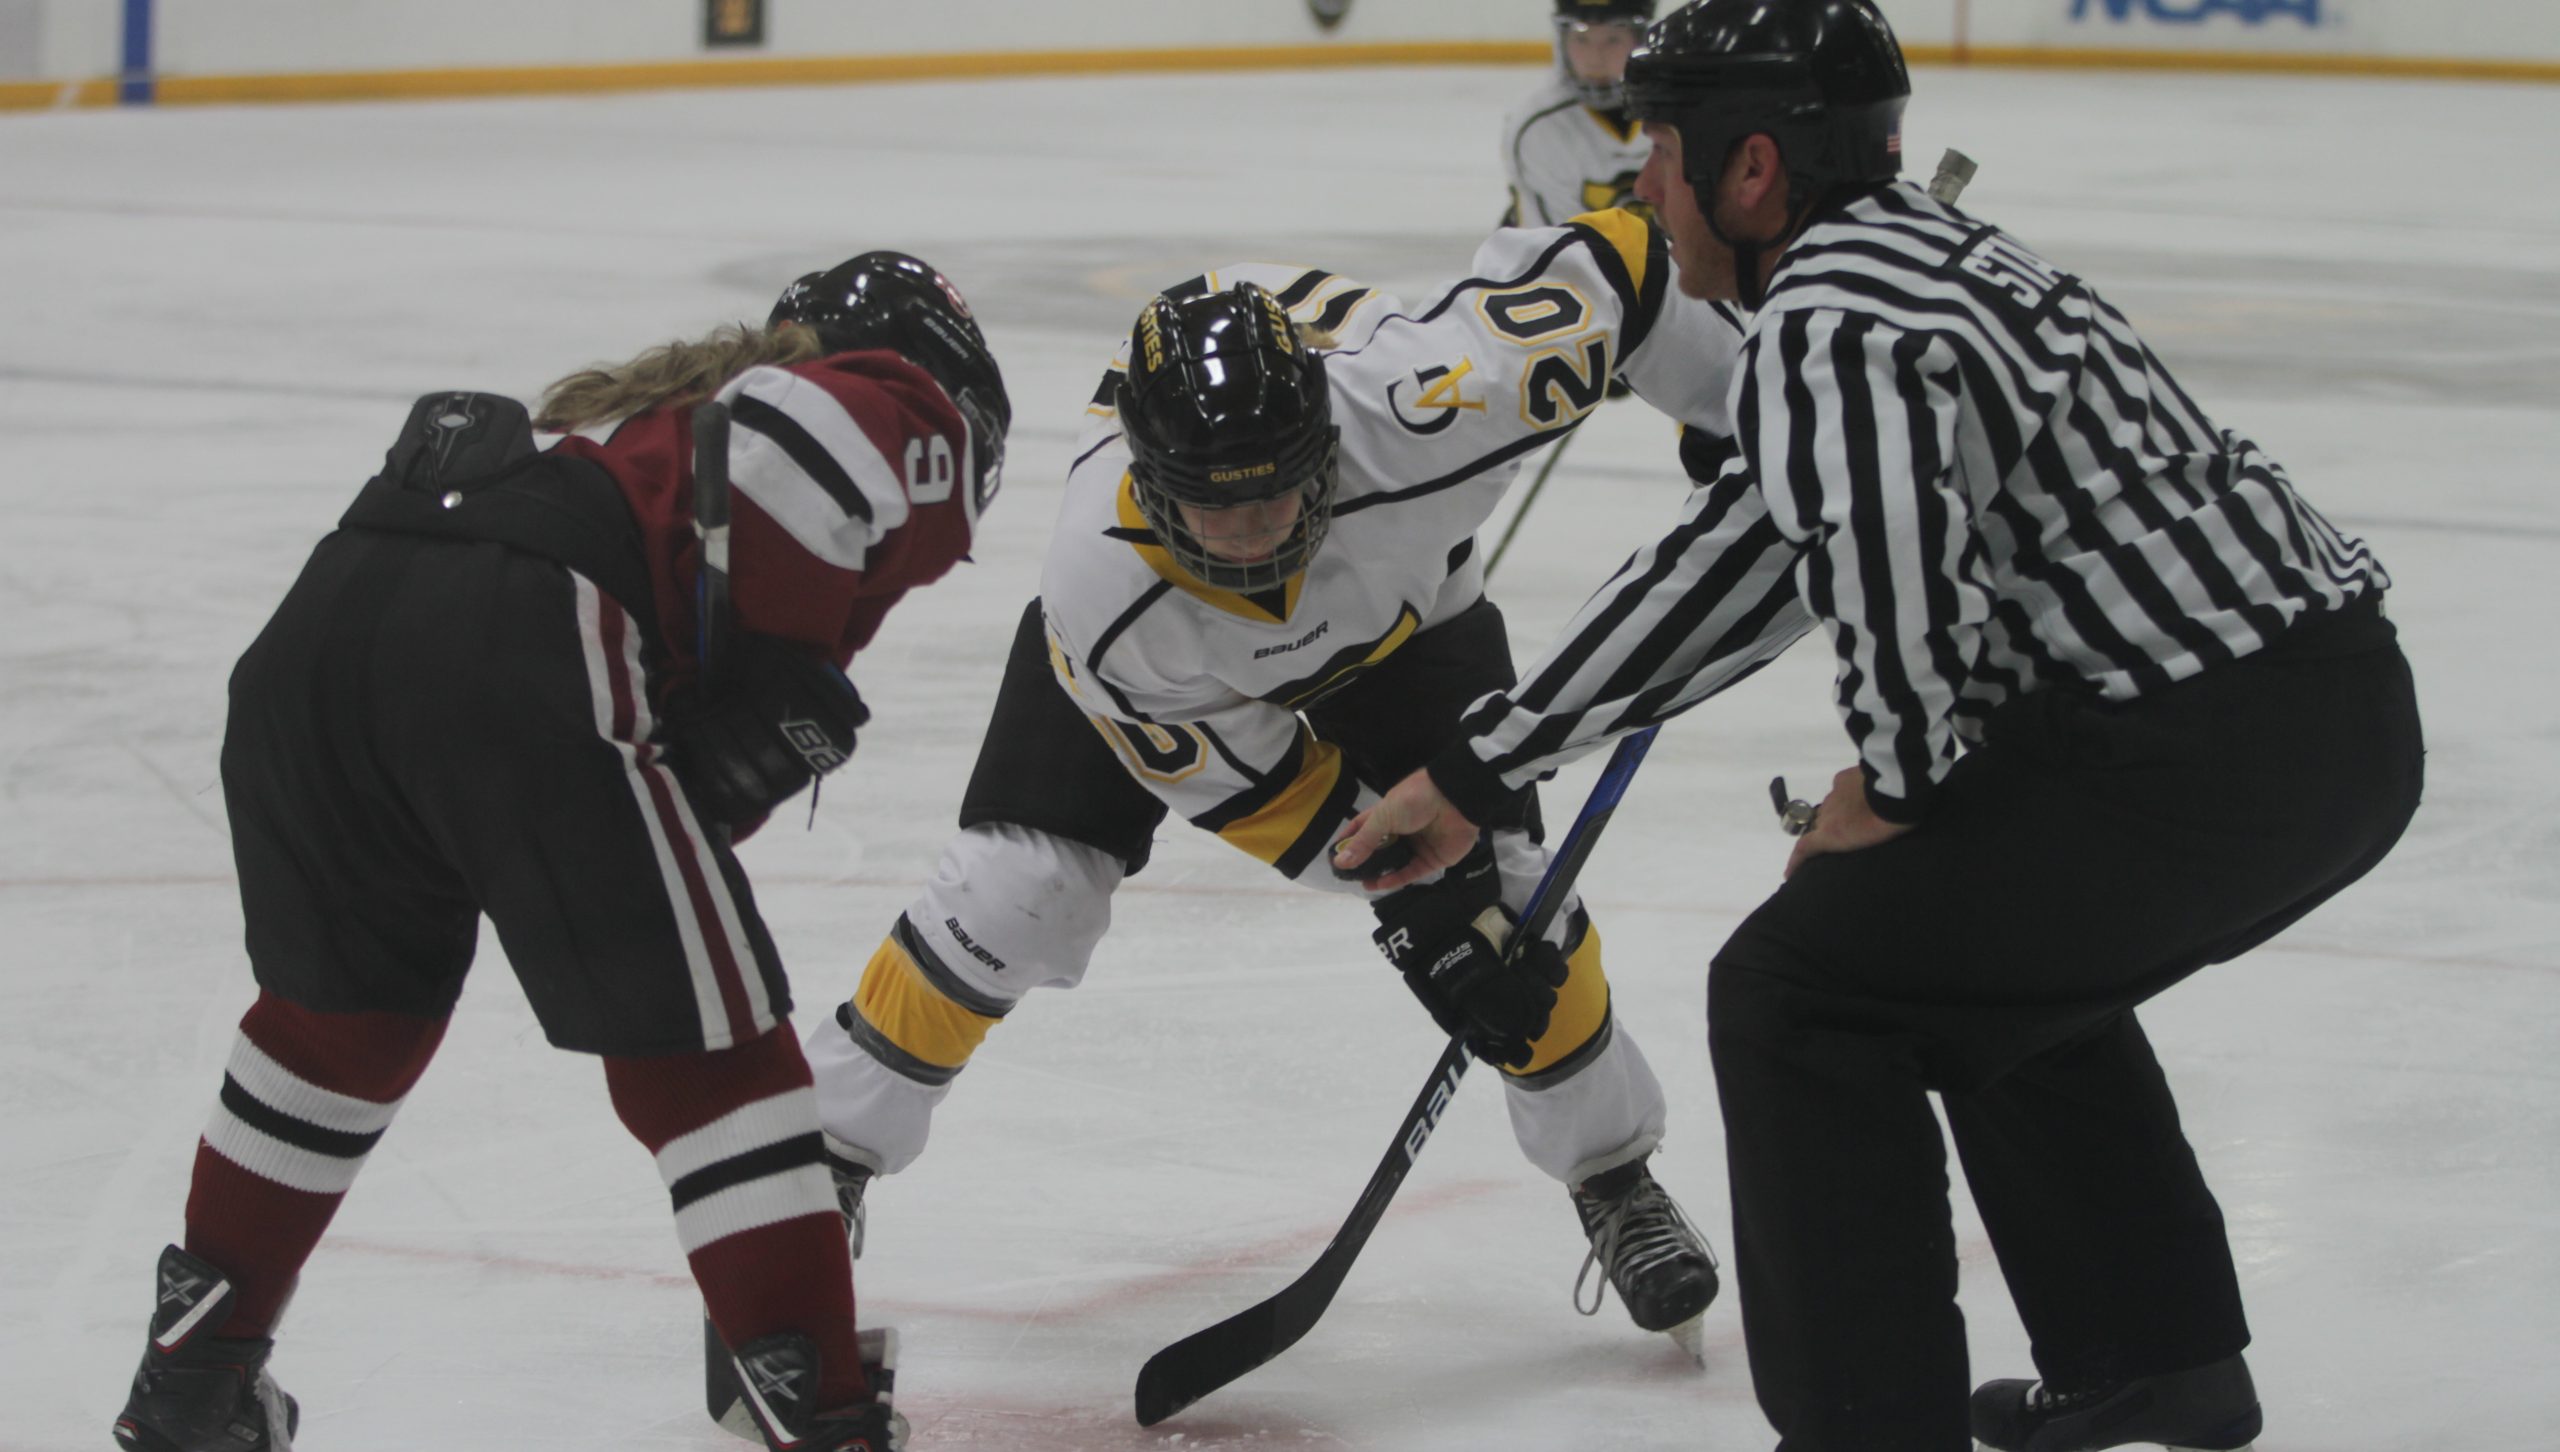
(1247, 534)
(1598, 50)
(1751, 202)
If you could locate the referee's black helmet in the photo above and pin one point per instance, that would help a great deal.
(1824, 79)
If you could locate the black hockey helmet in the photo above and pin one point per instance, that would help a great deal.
(892, 301)
(1223, 405)
(1573, 14)
(1822, 78)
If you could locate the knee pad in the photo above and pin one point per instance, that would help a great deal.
(1009, 909)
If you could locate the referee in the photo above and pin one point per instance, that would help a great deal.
(2123, 705)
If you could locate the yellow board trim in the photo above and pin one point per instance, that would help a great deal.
(183, 90)
(1268, 834)
(898, 1000)
(1160, 560)
(1582, 1005)
(1628, 235)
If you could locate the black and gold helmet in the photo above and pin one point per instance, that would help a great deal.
(1225, 406)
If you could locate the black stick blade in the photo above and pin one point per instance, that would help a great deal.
(1209, 1358)
(1213, 1356)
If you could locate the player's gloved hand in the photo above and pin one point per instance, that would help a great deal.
(1447, 939)
(782, 716)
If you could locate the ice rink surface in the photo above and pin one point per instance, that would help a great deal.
(215, 319)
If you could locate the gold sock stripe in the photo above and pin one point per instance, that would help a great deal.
(1582, 1009)
(902, 1005)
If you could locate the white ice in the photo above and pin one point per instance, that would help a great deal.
(214, 320)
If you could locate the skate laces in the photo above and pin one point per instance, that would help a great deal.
(1630, 1235)
(851, 1178)
(2041, 1397)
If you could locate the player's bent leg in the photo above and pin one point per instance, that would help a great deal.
(1586, 1101)
(1588, 1110)
(735, 1133)
(304, 1099)
(1009, 909)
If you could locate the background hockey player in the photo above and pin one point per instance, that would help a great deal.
(1261, 599)
(488, 693)
(2123, 705)
(1570, 148)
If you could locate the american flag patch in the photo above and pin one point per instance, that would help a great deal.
(1893, 144)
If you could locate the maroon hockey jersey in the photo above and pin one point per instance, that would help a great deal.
(852, 482)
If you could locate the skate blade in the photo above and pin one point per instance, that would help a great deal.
(1691, 1336)
(739, 1422)
(1980, 1446)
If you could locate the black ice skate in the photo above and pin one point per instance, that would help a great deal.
(2207, 1409)
(778, 1374)
(198, 1392)
(719, 1374)
(1658, 1261)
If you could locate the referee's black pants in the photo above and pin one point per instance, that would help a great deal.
(2084, 858)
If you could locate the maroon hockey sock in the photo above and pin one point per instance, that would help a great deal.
(304, 1099)
(736, 1136)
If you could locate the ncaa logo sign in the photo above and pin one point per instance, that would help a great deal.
(2197, 12)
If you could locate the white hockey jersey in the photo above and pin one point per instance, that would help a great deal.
(1564, 159)
(1198, 689)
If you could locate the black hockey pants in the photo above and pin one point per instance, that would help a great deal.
(2086, 857)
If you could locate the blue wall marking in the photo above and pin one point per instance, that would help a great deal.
(133, 79)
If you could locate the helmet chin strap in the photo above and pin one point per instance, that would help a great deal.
(1747, 252)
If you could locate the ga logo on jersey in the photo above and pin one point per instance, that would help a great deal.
(1437, 390)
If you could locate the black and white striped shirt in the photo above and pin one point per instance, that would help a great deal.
(1966, 468)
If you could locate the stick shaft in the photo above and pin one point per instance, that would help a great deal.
(1210, 1358)
(1527, 500)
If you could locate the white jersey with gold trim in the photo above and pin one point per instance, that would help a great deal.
(1564, 159)
(1199, 689)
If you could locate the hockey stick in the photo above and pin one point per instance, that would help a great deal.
(1208, 1359)
(1527, 500)
(711, 526)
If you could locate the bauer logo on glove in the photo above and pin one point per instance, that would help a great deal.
(781, 717)
(1454, 963)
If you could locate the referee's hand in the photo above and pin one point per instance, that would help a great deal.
(1414, 813)
(1843, 822)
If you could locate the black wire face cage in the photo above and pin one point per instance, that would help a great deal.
(1598, 95)
(987, 428)
(1160, 503)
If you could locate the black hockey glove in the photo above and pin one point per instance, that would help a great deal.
(782, 716)
(1447, 938)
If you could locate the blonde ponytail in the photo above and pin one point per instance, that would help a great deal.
(678, 373)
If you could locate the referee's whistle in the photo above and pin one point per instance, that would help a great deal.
(1795, 816)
